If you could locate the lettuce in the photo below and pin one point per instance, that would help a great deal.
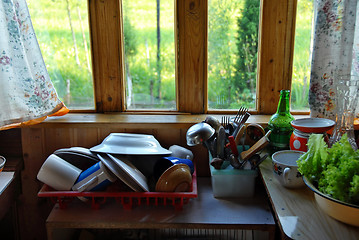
(334, 170)
(312, 163)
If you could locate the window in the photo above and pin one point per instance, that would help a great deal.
(62, 31)
(109, 19)
(232, 53)
(148, 29)
(302, 56)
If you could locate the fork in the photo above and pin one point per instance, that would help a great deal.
(240, 119)
(225, 121)
(240, 114)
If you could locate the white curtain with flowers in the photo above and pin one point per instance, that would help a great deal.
(335, 51)
(26, 91)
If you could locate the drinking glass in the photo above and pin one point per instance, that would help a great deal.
(346, 99)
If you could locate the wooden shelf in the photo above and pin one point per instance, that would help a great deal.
(10, 186)
(204, 212)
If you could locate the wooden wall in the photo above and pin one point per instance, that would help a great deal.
(10, 143)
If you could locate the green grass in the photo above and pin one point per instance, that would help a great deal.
(301, 61)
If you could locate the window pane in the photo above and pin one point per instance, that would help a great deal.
(232, 53)
(302, 55)
(149, 54)
(62, 31)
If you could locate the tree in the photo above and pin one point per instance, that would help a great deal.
(158, 66)
(247, 45)
(221, 52)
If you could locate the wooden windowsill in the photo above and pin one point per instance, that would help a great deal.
(154, 120)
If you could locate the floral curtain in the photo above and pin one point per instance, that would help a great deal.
(27, 95)
(335, 51)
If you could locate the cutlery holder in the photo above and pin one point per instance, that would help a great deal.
(232, 183)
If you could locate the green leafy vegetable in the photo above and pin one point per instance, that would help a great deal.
(335, 170)
(311, 163)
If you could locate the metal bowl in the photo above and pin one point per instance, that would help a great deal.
(199, 133)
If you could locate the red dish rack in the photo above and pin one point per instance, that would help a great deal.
(127, 199)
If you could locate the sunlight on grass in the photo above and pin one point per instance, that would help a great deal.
(302, 56)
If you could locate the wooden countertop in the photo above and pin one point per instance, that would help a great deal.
(5, 179)
(204, 212)
(297, 213)
(10, 187)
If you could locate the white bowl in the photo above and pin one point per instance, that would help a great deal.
(341, 211)
(130, 144)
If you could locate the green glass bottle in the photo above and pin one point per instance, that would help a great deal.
(280, 125)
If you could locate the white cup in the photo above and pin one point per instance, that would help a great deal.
(285, 168)
(181, 152)
(58, 173)
(94, 178)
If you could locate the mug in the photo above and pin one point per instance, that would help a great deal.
(285, 168)
(58, 173)
(95, 178)
(298, 140)
(181, 152)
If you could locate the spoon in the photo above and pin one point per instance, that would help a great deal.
(200, 133)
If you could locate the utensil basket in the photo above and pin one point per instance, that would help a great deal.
(232, 183)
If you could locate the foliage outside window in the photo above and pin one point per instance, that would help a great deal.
(148, 28)
(177, 71)
(62, 31)
(302, 55)
(232, 53)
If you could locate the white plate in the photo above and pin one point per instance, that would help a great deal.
(126, 171)
(130, 144)
(313, 125)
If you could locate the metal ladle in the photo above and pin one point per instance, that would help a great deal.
(200, 133)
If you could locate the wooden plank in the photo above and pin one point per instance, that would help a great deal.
(107, 55)
(191, 48)
(275, 52)
(139, 121)
(32, 211)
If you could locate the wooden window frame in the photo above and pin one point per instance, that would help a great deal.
(275, 55)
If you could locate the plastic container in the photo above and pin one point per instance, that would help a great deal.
(128, 200)
(233, 183)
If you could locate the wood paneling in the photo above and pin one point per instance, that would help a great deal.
(275, 52)
(107, 55)
(192, 55)
(10, 143)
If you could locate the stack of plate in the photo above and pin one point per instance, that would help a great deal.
(114, 152)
